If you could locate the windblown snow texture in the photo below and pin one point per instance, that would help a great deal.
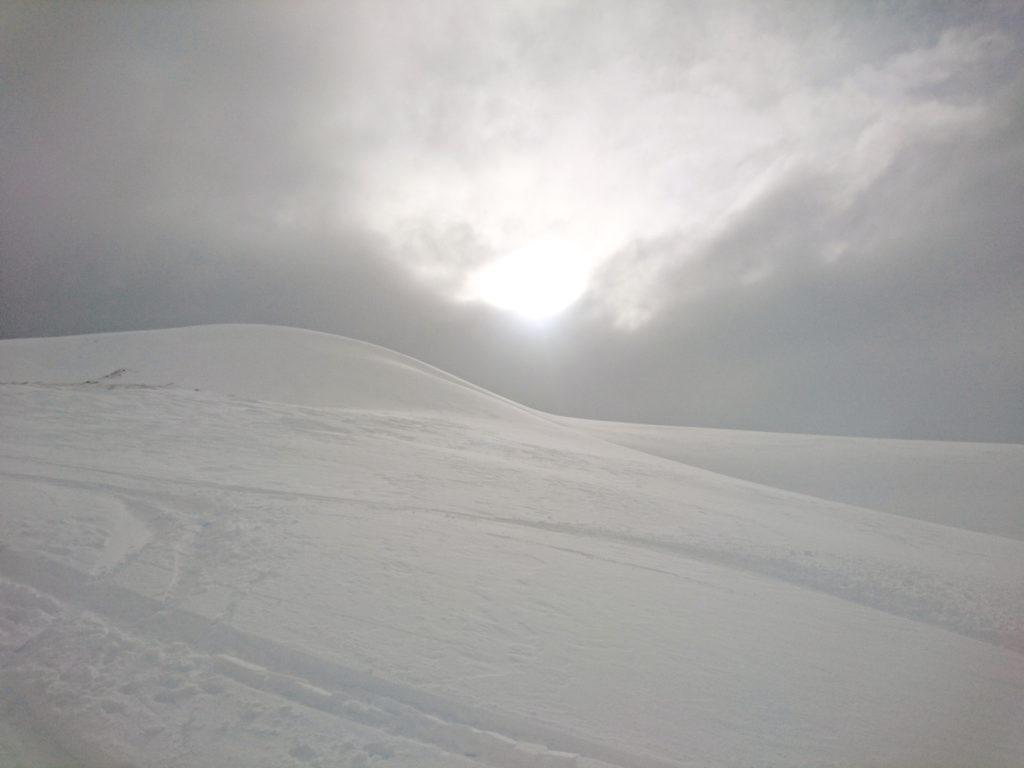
(246, 545)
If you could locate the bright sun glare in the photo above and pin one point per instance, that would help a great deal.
(536, 281)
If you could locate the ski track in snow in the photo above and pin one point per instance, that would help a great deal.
(497, 739)
(787, 570)
(436, 577)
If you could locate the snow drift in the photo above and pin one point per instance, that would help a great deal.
(249, 545)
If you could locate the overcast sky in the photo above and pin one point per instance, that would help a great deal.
(788, 216)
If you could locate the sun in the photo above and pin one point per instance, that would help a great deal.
(536, 281)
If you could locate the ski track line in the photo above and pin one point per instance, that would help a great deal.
(837, 585)
(172, 582)
(506, 740)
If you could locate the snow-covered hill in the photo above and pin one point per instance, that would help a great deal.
(256, 362)
(978, 486)
(244, 545)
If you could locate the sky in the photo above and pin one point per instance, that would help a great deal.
(793, 216)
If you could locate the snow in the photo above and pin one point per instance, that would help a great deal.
(978, 486)
(253, 362)
(248, 545)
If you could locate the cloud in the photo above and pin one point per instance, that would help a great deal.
(804, 217)
(898, 315)
(590, 124)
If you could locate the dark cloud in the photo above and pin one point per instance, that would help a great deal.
(813, 216)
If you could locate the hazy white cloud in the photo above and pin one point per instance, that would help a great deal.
(600, 125)
(798, 215)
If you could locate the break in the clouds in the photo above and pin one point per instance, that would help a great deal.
(801, 216)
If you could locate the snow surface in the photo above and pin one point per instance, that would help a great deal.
(248, 545)
(979, 486)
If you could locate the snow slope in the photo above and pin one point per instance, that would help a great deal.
(267, 547)
(978, 486)
(254, 362)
